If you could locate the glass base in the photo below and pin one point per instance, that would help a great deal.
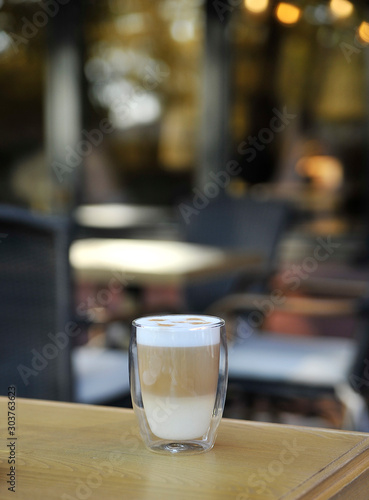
(184, 448)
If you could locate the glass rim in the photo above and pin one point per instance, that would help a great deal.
(220, 321)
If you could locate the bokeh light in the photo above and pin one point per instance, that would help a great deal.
(256, 6)
(287, 13)
(341, 8)
(363, 32)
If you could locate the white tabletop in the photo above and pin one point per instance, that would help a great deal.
(154, 261)
(120, 215)
(313, 361)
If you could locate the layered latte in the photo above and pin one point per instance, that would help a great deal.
(178, 361)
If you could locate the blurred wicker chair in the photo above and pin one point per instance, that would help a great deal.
(285, 366)
(36, 330)
(240, 224)
(33, 304)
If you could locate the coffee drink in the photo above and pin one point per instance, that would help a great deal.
(178, 363)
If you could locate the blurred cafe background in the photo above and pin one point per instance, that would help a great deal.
(187, 156)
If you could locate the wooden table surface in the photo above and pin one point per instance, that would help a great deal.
(69, 451)
(155, 261)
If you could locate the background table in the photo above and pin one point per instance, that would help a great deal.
(155, 262)
(69, 451)
(121, 215)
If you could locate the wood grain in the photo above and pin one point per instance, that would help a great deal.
(69, 451)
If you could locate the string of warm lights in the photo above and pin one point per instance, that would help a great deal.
(289, 13)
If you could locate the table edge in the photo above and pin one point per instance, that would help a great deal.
(129, 411)
(336, 476)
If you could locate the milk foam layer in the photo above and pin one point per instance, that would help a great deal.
(176, 330)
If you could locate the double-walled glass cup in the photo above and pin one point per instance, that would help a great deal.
(178, 377)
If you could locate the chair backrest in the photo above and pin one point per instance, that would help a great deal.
(248, 224)
(359, 374)
(34, 305)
